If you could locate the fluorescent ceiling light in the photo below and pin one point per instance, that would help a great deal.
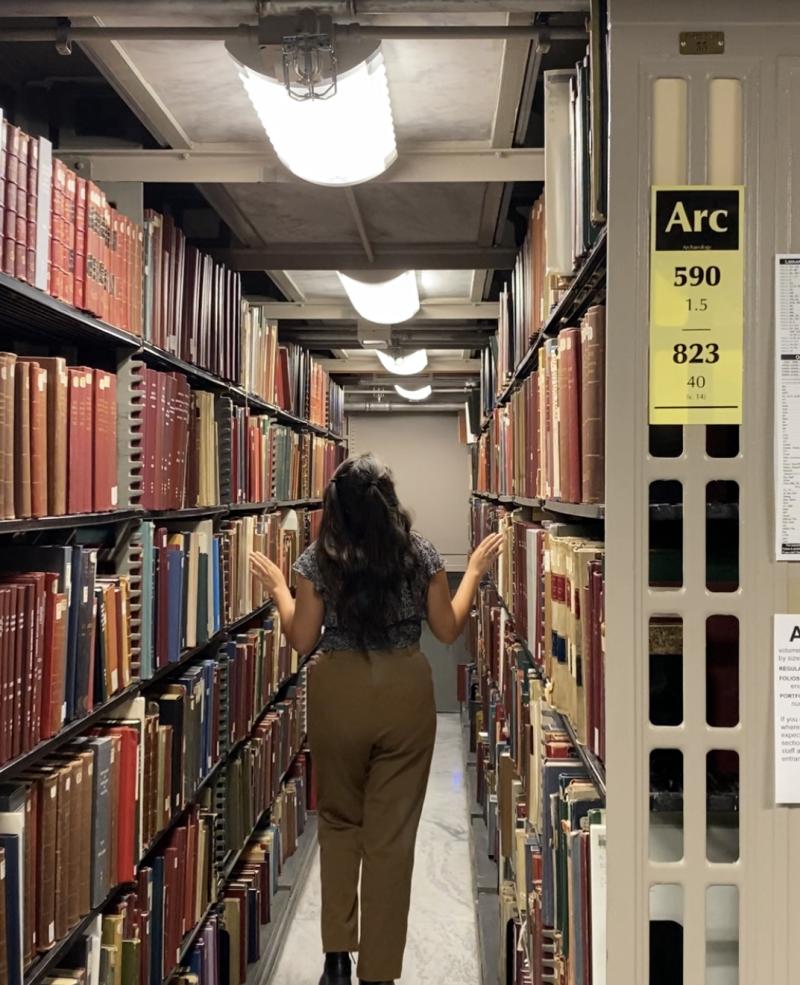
(408, 365)
(387, 302)
(342, 140)
(422, 394)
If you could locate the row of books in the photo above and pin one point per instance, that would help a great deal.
(60, 234)
(547, 831)
(58, 438)
(549, 440)
(75, 826)
(192, 304)
(64, 641)
(549, 593)
(118, 947)
(270, 460)
(287, 375)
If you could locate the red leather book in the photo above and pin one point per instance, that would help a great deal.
(68, 244)
(81, 241)
(104, 386)
(190, 872)
(572, 343)
(39, 438)
(593, 346)
(33, 209)
(128, 812)
(12, 137)
(57, 401)
(21, 230)
(7, 613)
(22, 441)
(34, 587)
(74, 464)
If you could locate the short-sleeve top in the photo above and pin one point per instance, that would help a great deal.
(408, 628)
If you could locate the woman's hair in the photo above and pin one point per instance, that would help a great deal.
(365, 551)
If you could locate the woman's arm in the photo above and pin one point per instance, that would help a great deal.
(447, 616)
(301, 618)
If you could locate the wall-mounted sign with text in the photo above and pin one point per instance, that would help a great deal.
(696, 304)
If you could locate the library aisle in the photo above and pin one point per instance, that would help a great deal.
(442, 934)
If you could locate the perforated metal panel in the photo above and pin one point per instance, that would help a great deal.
(659, 129)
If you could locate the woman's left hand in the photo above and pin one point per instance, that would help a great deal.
(267, 572)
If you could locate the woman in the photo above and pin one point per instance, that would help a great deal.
(369, 580)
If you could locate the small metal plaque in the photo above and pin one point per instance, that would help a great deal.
(702, 42)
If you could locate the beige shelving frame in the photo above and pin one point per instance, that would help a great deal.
(762, 52)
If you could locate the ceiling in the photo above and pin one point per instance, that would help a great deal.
(456, 104)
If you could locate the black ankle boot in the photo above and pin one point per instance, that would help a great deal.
(337, 969)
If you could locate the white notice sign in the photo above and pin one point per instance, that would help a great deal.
(787, 407)
(786, 645)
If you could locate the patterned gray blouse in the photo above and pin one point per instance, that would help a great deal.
(408, 629)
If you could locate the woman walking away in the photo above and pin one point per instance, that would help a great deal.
(369, 581)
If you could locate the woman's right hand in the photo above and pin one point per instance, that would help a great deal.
(486, 553)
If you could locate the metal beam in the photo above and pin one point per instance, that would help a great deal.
(258, 165)
(358, 219)
(334, 256)
(439, 366)
(343, 311)
(245, 11)
(118, 68)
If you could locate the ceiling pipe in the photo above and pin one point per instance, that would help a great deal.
(423, 32)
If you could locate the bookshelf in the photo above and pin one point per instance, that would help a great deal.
(228, 652)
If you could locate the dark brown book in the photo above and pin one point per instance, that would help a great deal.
(593, 384)
(38, 423)
(22, 441)
(57, 423)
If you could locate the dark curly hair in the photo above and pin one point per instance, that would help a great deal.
(365, 550)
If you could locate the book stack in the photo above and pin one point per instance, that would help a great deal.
(548, 442)
(64, 641)
(259, 660)
(182, 590)
(25, 200)
(180, 444)
(68, 833)
(255, 775)
(192, 305)
(272, 461)
(58, 438)
(181, 743)
(305, 389)
(230, 943)
(258, 360)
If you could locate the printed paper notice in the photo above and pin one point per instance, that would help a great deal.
(787, 407)
(786, 644)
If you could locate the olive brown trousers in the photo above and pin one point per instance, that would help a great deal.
(371, 726)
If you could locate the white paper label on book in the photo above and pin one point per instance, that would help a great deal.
(787, 407)
(786, 691)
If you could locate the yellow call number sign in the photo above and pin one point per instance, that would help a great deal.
(696, 304)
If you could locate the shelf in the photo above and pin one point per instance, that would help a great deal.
(52, 959)
(577, 298)
(595, 768)
(188, 513)
(45, 748)
(69, 521)
(34, 524)
(284, 902)
(231, 863)
(28, 759)
(586, 511)
(28, 311)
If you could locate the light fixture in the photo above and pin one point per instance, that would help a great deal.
(408, 365)
(343, 139)
(378, 299)
(421, 394)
